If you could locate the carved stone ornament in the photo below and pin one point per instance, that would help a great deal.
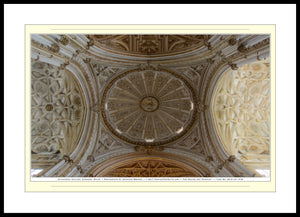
(67, 159)
(243, 48)
(54, 48)
(233, 66)
(232, 41)
(231, 158)
(79, 168)
(63, 66)
(64, 40)
(90, 43)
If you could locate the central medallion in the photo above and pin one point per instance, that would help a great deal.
(149, 104)
(148, 107)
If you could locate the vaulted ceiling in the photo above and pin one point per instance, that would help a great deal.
(150, 105)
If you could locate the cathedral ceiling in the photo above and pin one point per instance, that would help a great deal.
(95, 97)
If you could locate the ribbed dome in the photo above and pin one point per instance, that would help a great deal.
(148, 107)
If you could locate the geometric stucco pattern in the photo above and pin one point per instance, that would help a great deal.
(241, 110)
(57, 112)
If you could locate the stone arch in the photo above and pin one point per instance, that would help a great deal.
(154, 165)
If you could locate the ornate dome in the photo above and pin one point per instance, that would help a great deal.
(148, 107)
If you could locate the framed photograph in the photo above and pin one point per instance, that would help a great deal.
(164, 108)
